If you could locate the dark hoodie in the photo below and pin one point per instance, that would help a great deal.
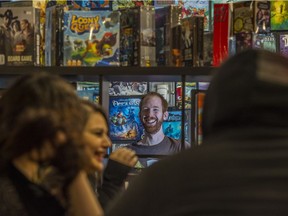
(242, 166)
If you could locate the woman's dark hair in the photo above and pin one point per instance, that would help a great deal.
(95, 108)
(46, 95)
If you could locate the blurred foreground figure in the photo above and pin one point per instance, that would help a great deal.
(241, 168)
(42, 123)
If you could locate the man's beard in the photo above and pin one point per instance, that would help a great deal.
(155, 128)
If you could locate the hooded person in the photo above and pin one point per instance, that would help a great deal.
(241, 167)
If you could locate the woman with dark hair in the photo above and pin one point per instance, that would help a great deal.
(42, 123)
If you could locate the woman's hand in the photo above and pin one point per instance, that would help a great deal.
(124, 156)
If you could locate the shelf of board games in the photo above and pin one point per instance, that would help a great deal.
(172, 74)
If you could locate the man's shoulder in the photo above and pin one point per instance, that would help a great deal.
(177, 142)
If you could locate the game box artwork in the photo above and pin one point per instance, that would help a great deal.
(19, 36)
(262, 17)
(197, 8)
(90, 4)
(88, 91)
(91, 38)
(283, 43)
(172, 126)
(279, 15)
(264, 41)
(189, 86)
(124, 119)
(117, 88)
(168, 36)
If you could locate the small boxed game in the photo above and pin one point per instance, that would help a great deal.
(262, 17)
(124, 121)
(54, 35)
(19, 36)
(122, 4)
(282, 42)
(243, 17)
(265, 41)
(117, 88)
(189, 86)
(91, 38)
(222, 16)
(88, 91)
(168, 36)
(198, 8)
(278, 15)
(243, 41)
(89, 4)
(192, 41)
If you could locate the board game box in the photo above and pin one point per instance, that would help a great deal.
(192, 41)
(124, 121)
(19, 36)
(91, 38)
(117, 88)
(282, 48)
(54, 35)
(168, 36)
(262, 17)
(279, 15)
(88, 91)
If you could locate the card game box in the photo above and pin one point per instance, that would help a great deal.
(19, 36)
(54, 35)
(88, 90)
(282, 43)
(222, 16)
(242, 17)
(192, 30)
(198, 8)
(265, 41)
(124, 121)
(168, 36)
(262, 17)
(91, 38)
(278, 15)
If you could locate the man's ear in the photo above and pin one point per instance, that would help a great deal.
(165, 115)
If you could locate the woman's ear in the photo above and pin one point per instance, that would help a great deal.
(165, 115)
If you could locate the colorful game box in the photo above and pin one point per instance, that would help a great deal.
(189, 86)
(88, 91)
(122, 4)
(283, 43)
(91, 38)
(265, 41)
(279, 15)
(262, 17)
(172, 126)
(243, 17)
(124, 119)
(197, 8)
(243, 41)
(90, 4)
(222, 16)
(117, 88)
(19, 36)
